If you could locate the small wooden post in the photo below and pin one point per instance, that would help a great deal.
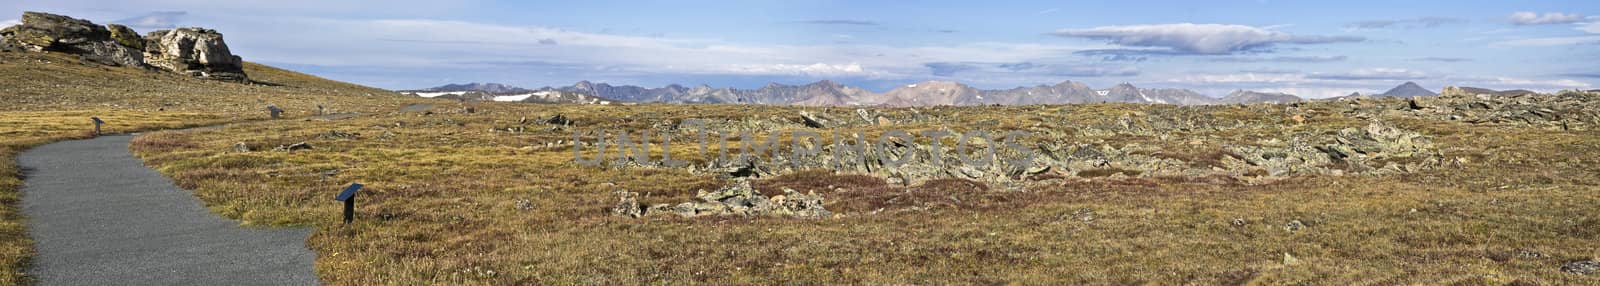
(348, 196)
(97, 123)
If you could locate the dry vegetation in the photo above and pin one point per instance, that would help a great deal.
(490, 198)
(457, 198)
(48, 97)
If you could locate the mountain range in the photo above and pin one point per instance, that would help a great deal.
(830, 93)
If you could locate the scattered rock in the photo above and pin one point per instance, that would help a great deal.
(241, 147)
(1584, 267)
(293, 147)
(558, 120)
(336, 134)
(1293, 226)
(812, 121)
(738, 199)
(807, 205)
(1238, 222)
(628, 205)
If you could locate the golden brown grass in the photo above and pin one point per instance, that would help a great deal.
(50, 97)
(441, 207)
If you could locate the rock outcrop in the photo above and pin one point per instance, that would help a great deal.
(42, 32)
(196, 52)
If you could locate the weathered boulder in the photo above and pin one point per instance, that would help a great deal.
(197, 52)
(42, 32)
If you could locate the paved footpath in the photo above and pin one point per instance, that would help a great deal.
(98, 216)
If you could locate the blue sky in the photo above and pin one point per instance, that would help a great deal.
(1313, 49)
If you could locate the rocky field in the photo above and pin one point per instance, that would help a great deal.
(1457, 189)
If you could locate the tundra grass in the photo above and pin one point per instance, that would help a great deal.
(490, 199)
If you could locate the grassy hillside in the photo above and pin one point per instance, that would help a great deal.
(50, 97)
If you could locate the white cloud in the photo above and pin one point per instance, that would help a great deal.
(8, 23)
(1238, 78)
(1531, 18)
(1592, 28)
(424, 43)
(817, 69)
(154, 20)
(1192, 38)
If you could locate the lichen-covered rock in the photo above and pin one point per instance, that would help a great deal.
(197, 52)
(126, 37)
(627, 205)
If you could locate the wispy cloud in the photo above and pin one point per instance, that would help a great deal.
(1441, 59)
(1048, 11)
(1372, 74)
(1270, 71)
(11, 22)
(948, 69)
(1284, 59)
(1413, 23)
(154, 20)
(840, 22)
(1549, 41)
(1532, 18)
(1200, 39)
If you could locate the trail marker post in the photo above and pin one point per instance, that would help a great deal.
(348, 196)
(274, 110)
(97, 123)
